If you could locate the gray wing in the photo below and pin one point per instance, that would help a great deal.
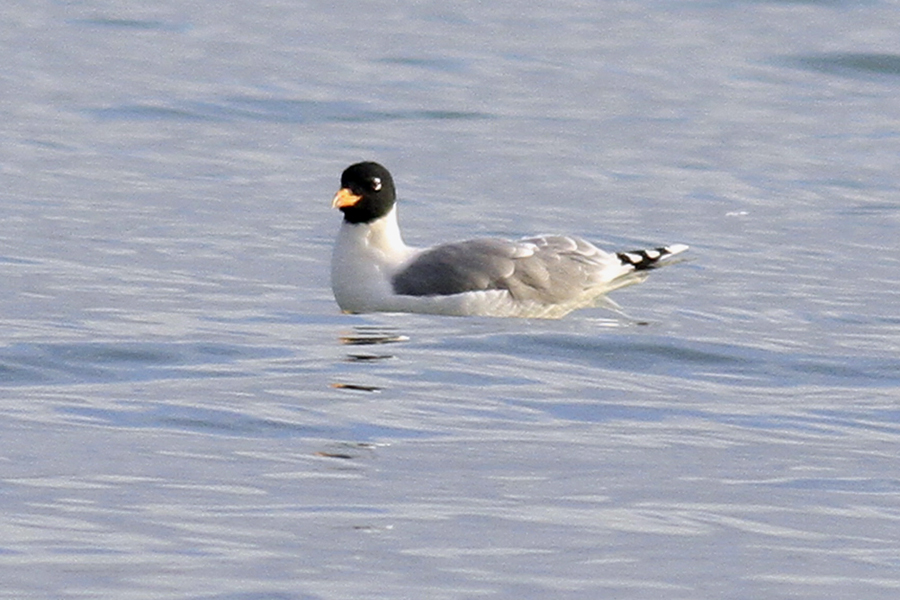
(548, 269)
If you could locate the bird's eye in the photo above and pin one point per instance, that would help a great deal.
(376, 183)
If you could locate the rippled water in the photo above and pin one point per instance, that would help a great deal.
(185, 414)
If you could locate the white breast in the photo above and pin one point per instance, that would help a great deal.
(364, 259)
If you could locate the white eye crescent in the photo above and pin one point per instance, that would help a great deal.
(376, 183)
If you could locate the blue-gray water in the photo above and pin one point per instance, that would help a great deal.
(184, 414)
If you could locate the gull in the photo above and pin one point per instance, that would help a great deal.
(547, 276)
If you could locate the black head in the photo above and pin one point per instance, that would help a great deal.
(367, 193)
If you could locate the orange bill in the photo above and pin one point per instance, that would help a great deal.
(345, 197)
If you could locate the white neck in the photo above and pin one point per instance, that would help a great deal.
(382, 235)
(365, 257)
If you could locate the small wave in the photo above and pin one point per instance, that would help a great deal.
(445, 65)
(733, 363)
(850, 64)
(99, 362)
(271, 110)
(134, 24)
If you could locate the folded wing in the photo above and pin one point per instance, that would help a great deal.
(547, 269)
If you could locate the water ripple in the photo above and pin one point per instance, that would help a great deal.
(270, 110)
(696, 360)
(850, 64)
(133, 24)
(66, 363)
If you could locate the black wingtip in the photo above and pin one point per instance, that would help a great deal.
(649, 258)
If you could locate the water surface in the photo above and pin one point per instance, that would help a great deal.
(185, 413)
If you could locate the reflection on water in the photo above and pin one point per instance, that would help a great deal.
(368, 335)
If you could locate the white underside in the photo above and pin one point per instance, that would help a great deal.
(366, 257)
(489, 303)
